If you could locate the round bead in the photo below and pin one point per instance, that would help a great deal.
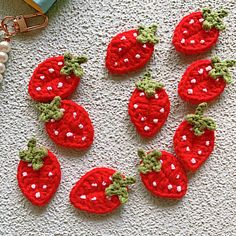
(5, 46)
(2, 68)
(3, 57)
(1, 78)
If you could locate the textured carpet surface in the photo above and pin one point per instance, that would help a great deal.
(86, 27)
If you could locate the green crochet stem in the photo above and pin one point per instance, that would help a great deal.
(199, 122)
(148, 85)
(221, 69)
(213, 19)
(150, 162)
(119, 187)
(147, 34)
(33, 154)
(51, 110)
(72, 65)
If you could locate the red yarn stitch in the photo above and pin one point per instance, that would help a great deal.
(186, 32)
(44, 181)
(146, 111)
(89, 192)
(170, 182)
(119, 51)
(44, 86)
(196, 85)
(193, 150)
(75, 120)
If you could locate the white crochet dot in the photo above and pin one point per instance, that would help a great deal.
(108, 198)
(38, 88)
(42, 77)
(94, 184)
(179, 188)
(56, 132)
(192, 41)
(69, 134)
(208, 68)
(201, 20)
(217, 80)
(33, 186)
(200, 72)
(182, 41)
(51, 70)
(119, 49)
(74, 114)
(172, 166)
(29, 165)
(62, 110)
(60, 63)
(81, 126)
(188, 149)
(68, 77)
(185, 32)
(207, 143)
(154, 183)
(141, 94)
(93, 199)
(204, 90)
(155, 121)
(190, 91)
(193, 81)
(50, 174)
(110, 178)
(135, 106)
(162, 110)
(137, 56)
(191, 21)
(193, 161)
(83, 196)
(104, 183)
(45, 186)
(143, 118)
(52, 120)
(202, 41)
(126, 60)
(169, 186)
(37, 195)
(135, 34)
(83, 138)
(60, 85)
(123, 38)
(184, 137)
(146, 128)
(115, 64)
(199, 152)
(144, 46)
(177, 176)
(49, 88)
(24, 174)
(156, 96)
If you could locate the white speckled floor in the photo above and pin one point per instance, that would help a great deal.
(85, 27)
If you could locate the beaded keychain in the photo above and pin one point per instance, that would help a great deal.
(10, 26)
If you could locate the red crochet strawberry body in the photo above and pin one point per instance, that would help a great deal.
(39, 185)
(190, 37)
(191, 149)
(56, 76)
(197, 86)
(74, 129)
(100, 191)
(170, 182)
(125, 53)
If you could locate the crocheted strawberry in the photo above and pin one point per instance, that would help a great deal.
(198, 31)
(56, 76)
(100, 191)
(38, 174)
(131, 50)
(205, 80)
(194, 139)
(67, 123)
(162, 174)
(149, 106)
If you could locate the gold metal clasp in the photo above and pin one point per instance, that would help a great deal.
(13, 25)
